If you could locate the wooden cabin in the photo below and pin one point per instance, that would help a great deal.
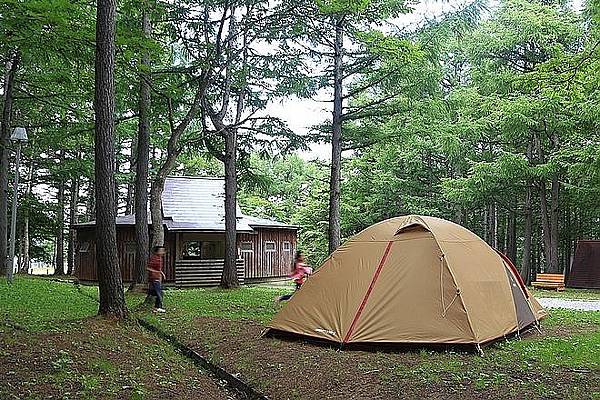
(193, 218)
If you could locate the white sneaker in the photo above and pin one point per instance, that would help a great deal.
(161, 310)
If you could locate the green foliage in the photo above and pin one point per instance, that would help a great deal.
(462, 140)
(363, 9)
(294, 191)
(342, 6)
(440, 119)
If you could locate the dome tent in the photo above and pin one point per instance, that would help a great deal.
(411, 279)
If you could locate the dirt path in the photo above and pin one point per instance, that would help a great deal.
(582, 305)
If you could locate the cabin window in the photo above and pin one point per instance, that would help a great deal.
(203, 250)
(287, 246)
(212, 250)
(192, 249)
(84, 247)
(270, 247)
(130, 248)
(246, 247)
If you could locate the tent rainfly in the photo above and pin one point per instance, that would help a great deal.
(411, 279)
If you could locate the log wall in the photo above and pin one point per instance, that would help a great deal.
(263, 264)
(202, 273)
(85, 261)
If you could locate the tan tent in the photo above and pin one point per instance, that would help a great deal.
(411, 279)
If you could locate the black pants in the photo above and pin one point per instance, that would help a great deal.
(286, 297)
(157, 288)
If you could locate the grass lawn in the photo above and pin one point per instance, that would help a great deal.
(53, 346)
(568, 293)
(563, 362)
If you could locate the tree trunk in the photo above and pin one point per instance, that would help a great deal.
(112, 299)
(74, 201)
(511, 235)
(542, 263)
(20, 253)
(526, 264)
(91, 201)
(59, 267)
(545, 224)
(117, 177)
(142, 163)
(129, 207)
(229, 278)
(336, 145)
(528, 231)
(554, 221)
(544, 207)
(493, 225)
(534, 254)
(129, 198)
(486, 223)
(25, 259)
(7, 99)
(459, 216)
(554, 217)
(173, 151)
(502, 229)
(158, 232)
(568, 240)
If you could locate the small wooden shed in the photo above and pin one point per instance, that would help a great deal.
(193, 218)
(585, 270)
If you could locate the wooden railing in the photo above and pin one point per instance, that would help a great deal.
(196, 273)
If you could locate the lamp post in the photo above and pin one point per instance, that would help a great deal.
(19, 136)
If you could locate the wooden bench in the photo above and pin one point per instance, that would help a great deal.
(549, 281)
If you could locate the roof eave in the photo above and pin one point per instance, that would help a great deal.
(294, 227)
(205, 230)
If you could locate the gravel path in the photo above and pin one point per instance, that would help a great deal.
(583, 305)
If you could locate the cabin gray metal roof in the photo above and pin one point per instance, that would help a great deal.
(120, 220)
(197, 204)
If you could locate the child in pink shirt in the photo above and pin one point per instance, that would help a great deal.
(299, 274)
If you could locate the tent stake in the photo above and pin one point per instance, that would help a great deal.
(478, 347)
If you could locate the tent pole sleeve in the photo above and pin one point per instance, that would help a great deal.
(369, 290)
